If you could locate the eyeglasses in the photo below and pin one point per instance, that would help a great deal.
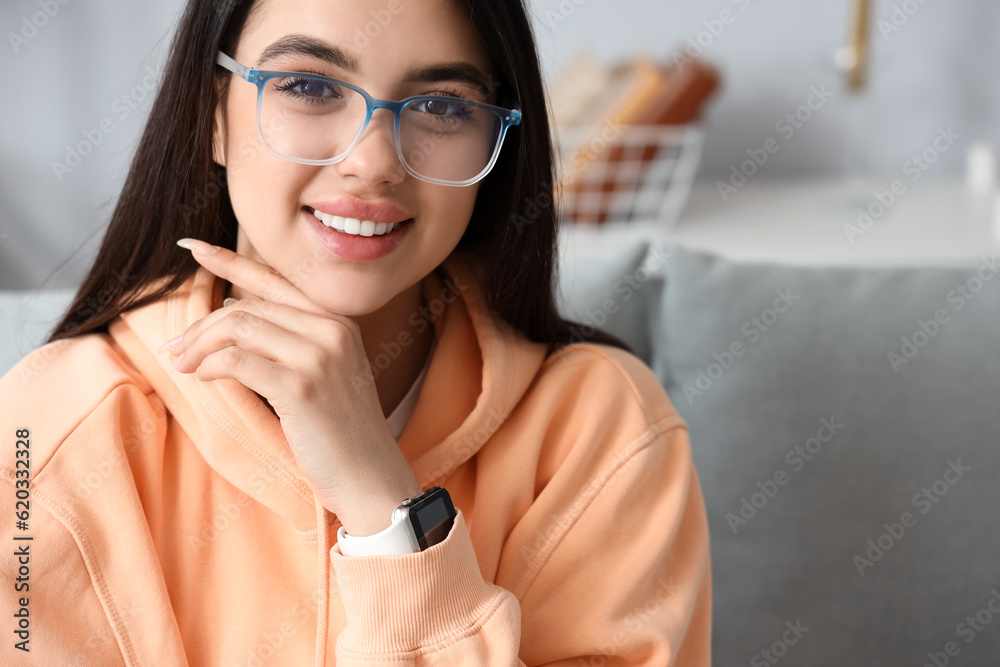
(313, 119)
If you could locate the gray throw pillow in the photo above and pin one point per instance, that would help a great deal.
(609, 277)
(845, 425)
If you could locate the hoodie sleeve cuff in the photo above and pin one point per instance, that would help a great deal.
(403, 603)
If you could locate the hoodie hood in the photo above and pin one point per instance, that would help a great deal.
(479, 369)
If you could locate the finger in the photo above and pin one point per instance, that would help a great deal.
(259, 279)
(246, 330)
(262, 375)
(287, 317)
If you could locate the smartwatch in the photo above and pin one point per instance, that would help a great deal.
(417, 523)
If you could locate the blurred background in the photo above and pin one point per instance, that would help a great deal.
(840, 155)
(81, 82)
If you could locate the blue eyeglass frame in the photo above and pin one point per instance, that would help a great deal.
(508, 117)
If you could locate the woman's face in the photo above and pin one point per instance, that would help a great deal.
(273, 198)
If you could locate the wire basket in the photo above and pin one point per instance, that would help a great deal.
(642, 172)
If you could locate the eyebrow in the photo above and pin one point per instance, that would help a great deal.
(462, 72)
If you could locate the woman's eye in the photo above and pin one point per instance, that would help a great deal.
(313, 89)
(436, 107)
(446, 107)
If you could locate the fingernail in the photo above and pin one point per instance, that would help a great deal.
(170, 343)
(199, 247)
(177, 361)
(229, 301)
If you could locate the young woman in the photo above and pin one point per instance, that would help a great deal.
(343, 423)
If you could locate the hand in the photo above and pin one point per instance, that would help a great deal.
(311, 366)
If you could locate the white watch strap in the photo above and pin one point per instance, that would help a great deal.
(396, 540)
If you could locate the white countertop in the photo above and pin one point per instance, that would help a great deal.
(803, 222)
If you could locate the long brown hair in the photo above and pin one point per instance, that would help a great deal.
(174, 188)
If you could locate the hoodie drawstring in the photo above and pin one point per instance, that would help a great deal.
(322, 620)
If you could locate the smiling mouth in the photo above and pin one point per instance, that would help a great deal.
(356, 227)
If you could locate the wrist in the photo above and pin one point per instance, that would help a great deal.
(374, 514)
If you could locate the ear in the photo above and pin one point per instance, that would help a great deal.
(219, 143)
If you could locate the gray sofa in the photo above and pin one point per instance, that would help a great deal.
(846, 429)
(845, 424)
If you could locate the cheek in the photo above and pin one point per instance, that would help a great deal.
(243, 137)
(263, 188)
(257, 195)
(452, 210)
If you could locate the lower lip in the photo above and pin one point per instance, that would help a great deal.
(353, 246)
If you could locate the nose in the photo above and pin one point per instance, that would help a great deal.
(374, 159)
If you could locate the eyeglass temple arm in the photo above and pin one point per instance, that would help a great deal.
(233, 66)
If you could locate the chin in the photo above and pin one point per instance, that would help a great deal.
(354, 303)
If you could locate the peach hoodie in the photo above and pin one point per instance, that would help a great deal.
(170, 525)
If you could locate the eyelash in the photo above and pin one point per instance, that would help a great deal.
(454, 93)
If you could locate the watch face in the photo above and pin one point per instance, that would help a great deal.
(432, 518)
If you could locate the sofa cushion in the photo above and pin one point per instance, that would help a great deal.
(609, 277)
(845, 426)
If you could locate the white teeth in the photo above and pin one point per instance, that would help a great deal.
(355, 226)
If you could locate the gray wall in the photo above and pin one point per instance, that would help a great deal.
(937, 70)
(87, 67)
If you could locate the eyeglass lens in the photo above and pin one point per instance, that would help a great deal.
(312, 119)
